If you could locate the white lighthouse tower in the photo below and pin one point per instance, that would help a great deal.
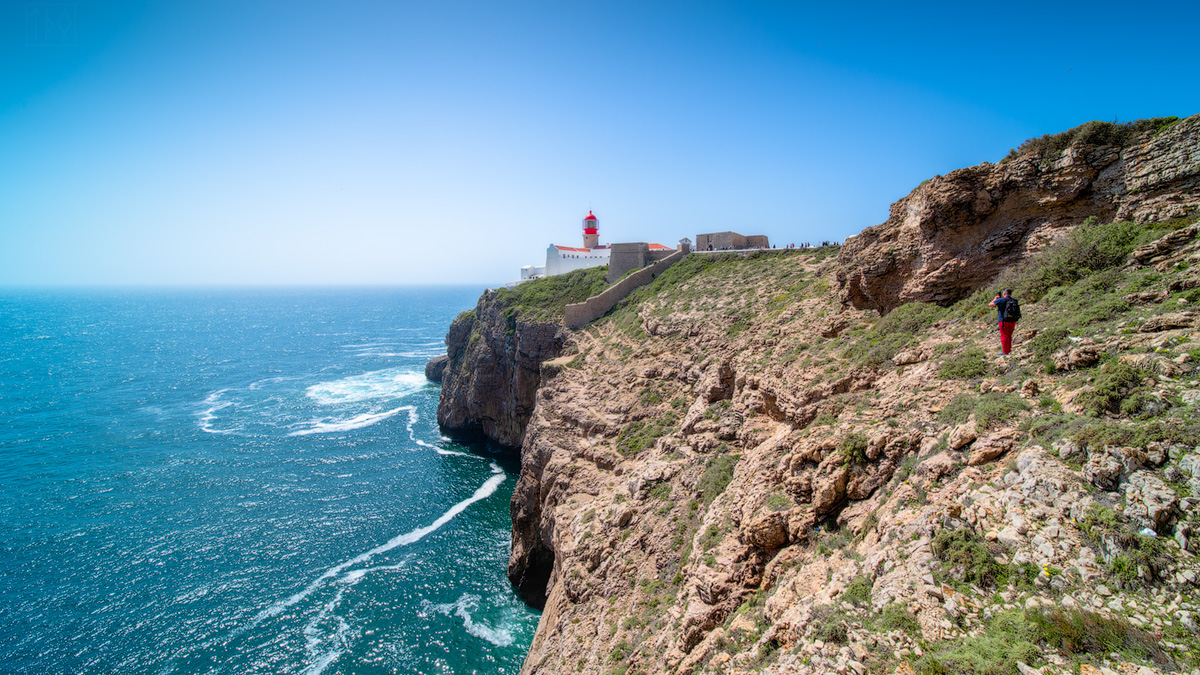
(591, 236)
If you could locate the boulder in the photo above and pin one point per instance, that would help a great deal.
(1146, 297)
(909, 356)
(962, 435)
(769, 533)
(991, 446)
(1152, 363)
(1108, 465)
(436, 368)
(1066, 449)
(1168, 321)
(1150, 502)
(1082, 355)
(829, 490)
(936, 467)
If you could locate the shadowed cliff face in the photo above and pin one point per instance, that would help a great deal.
(491, 378)
(957, 232)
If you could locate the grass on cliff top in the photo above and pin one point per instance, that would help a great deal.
(546, 299)
(1022, 636)
(1119, 134)
(900, 328)
(703, 281)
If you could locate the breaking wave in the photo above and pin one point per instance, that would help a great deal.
(356, 422)
(388, 383)
(463, 609)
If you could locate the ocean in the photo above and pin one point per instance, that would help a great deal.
(245, 481)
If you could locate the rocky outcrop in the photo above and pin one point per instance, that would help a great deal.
(956, 232)
(436, 368)
(492, 371)
(715, 486)
(740, 473)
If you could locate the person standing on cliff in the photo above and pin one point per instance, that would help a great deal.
(1008, 313)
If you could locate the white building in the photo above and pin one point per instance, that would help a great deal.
(563, 259)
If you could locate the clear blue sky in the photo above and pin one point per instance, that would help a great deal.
(220, 142)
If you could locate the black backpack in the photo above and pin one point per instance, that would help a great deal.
(1012, 310)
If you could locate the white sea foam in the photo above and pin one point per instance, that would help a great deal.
(388, 383)
(484, 491)
(356, 422)
(462, 608)
(412, 435)
(215, 405)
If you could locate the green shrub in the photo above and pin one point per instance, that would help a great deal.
(895, 616)
(989, 409)
(711, 537)
(1094, 433)
(1047, 342)
(1076, 631)
(1007, 640)
(854, 448)
(778, 502)
(859, 590)
(717, 473)
(995, 407)
(1140, 557)
(1047, 428)
(831, 623)
(661, 491)
(970, 364)
(1114, 382)
(546, 299)
(824, 419)
(1095, 132)
(966, 558)
(1092, 247)
(641, 434)
(893, 332)
(910, 318)
(959, 408)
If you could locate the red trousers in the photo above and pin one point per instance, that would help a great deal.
(1006, 331)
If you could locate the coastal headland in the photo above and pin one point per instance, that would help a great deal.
(814, 461)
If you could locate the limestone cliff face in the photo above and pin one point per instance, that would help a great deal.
(956, 232)
(739, 474)
(492, 374)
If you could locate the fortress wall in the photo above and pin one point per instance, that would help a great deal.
(625, 257)
(581, 314)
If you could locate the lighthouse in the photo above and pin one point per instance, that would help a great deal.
(591, 236)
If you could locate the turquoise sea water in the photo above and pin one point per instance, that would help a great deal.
(244, 481)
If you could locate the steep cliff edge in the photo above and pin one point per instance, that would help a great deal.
(495, 351)
(740, 470)
(955, 231)
(732, 472)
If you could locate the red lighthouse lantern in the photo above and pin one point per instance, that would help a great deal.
(591, 236)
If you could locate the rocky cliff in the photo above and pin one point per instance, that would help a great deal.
(735, 471)
(494, 354)
(491, 376)
(955, 231)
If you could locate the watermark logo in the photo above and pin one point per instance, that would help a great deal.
(52, 24)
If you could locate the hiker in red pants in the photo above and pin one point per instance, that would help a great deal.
(1008, 313)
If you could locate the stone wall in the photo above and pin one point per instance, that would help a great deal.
(730, 241)
(581, 314)
(624, 258)
(631, 256)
